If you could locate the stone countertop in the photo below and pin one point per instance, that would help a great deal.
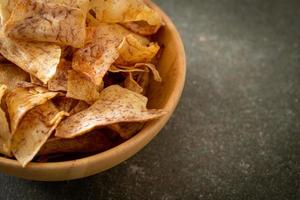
(236, 131)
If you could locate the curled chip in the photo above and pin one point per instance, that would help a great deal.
(81, 88)
(38, 59)
(40, 21)
(95, 141)
(59, 81)
(64, 103)
(141, 27)
(117, 11)
(132, 51)
(80, 106)
(11, 74)
(34, 130)
(20, 100)
(5, 135)
(127, 130)
(100, 50)
(132, 85)
(115, 105)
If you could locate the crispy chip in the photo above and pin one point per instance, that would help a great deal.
(34, 130)
(117, 69)
(81, 4)
(132, 85)
(127, 130)
(95, 141)
(11, 74)
(117, 11)
(4, 13)
(40, 21)
(80, 106)
(81, 88)
(38, 59)
(36, 81)
(5, 135)
(115, 105)
(141, 27)
(132, 51)
(100, 50)
(65, 104)
(21, 100)
(59, 80)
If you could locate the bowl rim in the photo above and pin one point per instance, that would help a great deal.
(150, 130)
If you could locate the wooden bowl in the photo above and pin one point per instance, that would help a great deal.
(164, 95)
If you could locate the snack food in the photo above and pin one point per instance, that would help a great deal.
(74, 75)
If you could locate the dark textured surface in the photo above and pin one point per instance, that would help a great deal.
(236, 132)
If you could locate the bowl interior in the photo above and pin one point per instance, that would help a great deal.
(163, 95)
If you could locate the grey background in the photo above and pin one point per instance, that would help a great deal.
(235, 134)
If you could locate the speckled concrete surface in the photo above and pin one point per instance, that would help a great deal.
(236, 132)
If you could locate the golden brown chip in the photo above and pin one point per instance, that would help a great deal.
(141, 27)
(4, 12)
(5, 134)
(11, 74)
(80, 106)
(117, 69)
(34, 130)
(21, 100)
(59, 80)
(95, 141)
(40, 21)
(81, 88)
(127, 130)
(100, 50)
(64, 103)
(132, 51)
(115, 105)
(36, 81)
(132, 85)
(117, 11)
(152, 68)
(38, 59)
(81, 4)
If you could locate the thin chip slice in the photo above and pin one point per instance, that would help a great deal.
(95, 141)
(132, 51)
(38, 59)
(118, 69)
(100, 51)
(59, 80)
(132, 85)
(81, 4)
(36, 81)
(80, 106)
(11, 74)
(40, 21)
(34, 130)
(127, 130)
(64, 103)
(5, 135)
(117, 11)
(141, 27)
(115, 105)
(81, 88)
(20, 100)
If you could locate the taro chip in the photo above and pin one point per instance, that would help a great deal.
(118, 69)
(34, 130)
(115, 105)
(81, 88)
(36, 81)
(95, 141)
(80, 106)
(132, 85)
(100, 51)
(141, 27)
(132, 51)
(11, 74)
(38, 59)
(40, 21)
(5, 135)
(64, 103)
(127, 130)
(118, 11)
(59, 81)
(20, 100)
